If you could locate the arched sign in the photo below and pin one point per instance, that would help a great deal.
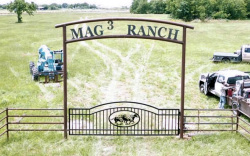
(138, 28)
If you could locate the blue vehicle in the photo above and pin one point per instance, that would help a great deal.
(49, 65)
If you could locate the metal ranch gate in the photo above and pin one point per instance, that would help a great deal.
(124, 118)
(87, 119)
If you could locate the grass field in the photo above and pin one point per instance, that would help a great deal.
(115, 70)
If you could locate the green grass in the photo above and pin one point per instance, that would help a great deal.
(114, 70)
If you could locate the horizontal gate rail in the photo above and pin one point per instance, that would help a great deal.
(224, 114)
(243, 127)
(13, 113)
(136, 120)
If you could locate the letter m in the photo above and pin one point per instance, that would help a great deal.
(75, 35)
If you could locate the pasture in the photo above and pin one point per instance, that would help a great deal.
(109, 70)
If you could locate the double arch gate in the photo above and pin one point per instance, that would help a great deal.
(100, 31)
(123, 118)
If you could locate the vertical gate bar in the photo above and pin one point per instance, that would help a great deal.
(79, 121)
(172, 128)
(89, 121)
(73, 119)
(69, 121)
(158, 122)
(199, 120)
(100, 123)
(96, 125)
(174, 122)
(165, 121)
(82, 122)
(178, 122)
(7, 123)
(183, 80)
(237, 120)
(134, 126)
(144, 128)
(151, 122)
(103, 121)
(117, 127)
(232, 123)
(141, 122)
(65, 81)
(110, 123)
(106, 120)
(148, 123)
(168, 121)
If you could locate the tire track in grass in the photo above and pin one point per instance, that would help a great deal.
(16, 74)
(47, 95)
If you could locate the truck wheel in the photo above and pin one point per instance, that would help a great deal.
(203, 89)
(31, 65)
(235, 107)
(225, 60)
(34, 74)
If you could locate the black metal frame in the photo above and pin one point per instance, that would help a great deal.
(147, 121)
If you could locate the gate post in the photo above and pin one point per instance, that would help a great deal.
(7, 123)
(183, 82)
(65, 81)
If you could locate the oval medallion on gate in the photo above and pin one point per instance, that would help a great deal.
(124, 118)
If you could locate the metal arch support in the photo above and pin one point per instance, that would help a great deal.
(183, 42)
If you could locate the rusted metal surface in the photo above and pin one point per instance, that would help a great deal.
(212, 130)
(123, 19)
(13, 110)
(65, 81)
(3, 126)
(41, 123)
(183, 82)
(38, 116)
(3, 133)
(199, 117)
(2, 112)
(26, 130)
(204, 116)
(124, 36)
(7, 123)
(48, 109)
(3, 119)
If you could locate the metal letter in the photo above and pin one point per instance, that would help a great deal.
(152, 31)
(141, 30)
(175, 34)
(88, 31)
(159, 31)
(131, 30)
(95, 30)
(73, 31)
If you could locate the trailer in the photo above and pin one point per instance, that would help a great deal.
(242, 55)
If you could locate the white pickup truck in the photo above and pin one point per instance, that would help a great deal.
(240, 98)
(240, 55)
(210, 82)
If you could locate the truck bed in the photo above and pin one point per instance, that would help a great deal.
(225, 54)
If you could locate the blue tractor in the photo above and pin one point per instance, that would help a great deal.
(49, 65)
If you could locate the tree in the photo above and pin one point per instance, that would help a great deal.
(20, 6)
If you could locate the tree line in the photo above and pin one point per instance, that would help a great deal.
(55, 6)
(194, 9)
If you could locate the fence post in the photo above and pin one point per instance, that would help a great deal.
(7, 123)
(237, 121)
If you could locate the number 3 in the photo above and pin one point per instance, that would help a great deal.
(110, 25)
